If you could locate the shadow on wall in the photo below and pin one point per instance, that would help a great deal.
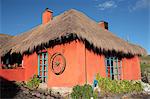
(8, 89)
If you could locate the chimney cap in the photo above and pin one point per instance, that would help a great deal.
(103, 21)
(47, 9)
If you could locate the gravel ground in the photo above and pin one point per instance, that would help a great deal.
(25, 93)
(128, 96)
(10, 90)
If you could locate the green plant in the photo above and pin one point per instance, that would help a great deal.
(33, 83)
(77, 92)
(118, 86)
(83, 92)
(87, 91)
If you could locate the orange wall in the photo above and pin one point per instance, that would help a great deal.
(17, 74)
(30, 67)
(95, 64)
(74, 53)
(74, 71)
(131, 68)
(30, 63)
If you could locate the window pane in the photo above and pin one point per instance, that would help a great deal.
(113, 67)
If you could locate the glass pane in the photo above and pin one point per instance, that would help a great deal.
(113, 67)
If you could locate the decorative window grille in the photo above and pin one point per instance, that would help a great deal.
(113, 67)
(43, 66)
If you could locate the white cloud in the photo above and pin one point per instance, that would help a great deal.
(107, 5)
(140, 4)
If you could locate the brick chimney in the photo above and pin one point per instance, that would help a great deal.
(103, 24)
(47, 16)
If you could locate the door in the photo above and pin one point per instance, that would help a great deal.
(43, 66)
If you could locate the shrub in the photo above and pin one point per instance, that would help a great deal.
(145, 70)
(33, 83)
(76, 94)
(83, 92)
(118, 86)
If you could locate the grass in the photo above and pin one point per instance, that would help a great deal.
(145, 64)
(145, 68)
(146, 57)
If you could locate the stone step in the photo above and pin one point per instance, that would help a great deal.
(43, 86)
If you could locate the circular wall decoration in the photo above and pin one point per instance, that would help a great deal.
(58, 63)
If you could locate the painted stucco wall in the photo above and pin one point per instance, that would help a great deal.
(74, 74)
(131, 68)
(74, 53)
(95, 64)
(17, 74)
(46, 16)
(30, 67)
(30, 63)
(74, 71)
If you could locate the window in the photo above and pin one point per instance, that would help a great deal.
(113, 67)
(11, 61)
(43, 66)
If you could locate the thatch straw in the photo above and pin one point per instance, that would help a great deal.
(67, 23)
(4, 38)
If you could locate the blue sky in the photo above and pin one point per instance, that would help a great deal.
(128, 19)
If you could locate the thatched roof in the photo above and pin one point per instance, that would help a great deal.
(74, 23)
(4, 38)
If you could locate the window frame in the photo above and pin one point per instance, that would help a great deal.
(113, 67)
(43, 67)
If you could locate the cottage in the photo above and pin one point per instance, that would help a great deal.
(69, 49)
